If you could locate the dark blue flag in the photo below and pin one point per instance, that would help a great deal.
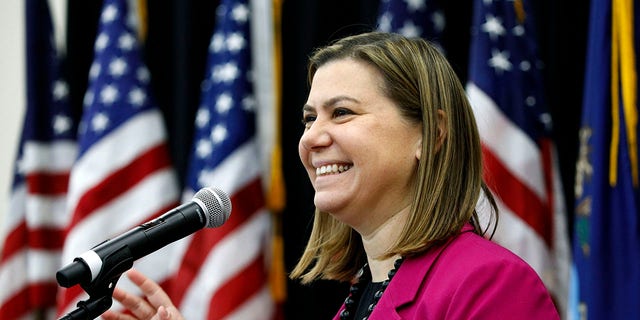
(416, 18)
(607, 224)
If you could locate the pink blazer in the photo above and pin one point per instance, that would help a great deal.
(469, 277)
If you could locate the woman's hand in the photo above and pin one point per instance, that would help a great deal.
(157, 305)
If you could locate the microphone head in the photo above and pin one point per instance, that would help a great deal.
(217, 206)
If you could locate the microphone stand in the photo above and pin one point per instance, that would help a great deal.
(100, 290)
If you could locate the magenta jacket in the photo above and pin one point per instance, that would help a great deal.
(469, 277)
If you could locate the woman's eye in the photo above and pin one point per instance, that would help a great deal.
(338, 112)
(307, 119)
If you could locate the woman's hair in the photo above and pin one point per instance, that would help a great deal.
(448, 184)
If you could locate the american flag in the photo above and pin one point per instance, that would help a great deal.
(34, 226)
(412, 18)
(123, 175)
(506, 91)
(224, 270)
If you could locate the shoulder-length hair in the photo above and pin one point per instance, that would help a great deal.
(448, 184)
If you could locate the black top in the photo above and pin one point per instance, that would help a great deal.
(367, 299)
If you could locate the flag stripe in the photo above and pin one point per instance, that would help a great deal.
(259, 306)
(52, 239)
(139, 203)
(502, 137)
(14, 241)
(17, 274)
(245, 283)
(242, 246)
(517, 196)
(32, 296)
(57, 156)
(48, 183)
(141, 133)
(121, 180)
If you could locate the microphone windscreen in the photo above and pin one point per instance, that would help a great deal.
(217, 205)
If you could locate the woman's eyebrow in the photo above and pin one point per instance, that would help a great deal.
(331, 102)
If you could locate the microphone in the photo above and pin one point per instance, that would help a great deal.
(209, 207)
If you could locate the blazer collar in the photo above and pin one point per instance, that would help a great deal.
(404, 287)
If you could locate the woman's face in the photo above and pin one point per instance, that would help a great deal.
(359, 153)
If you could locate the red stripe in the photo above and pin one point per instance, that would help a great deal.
(31, 298)
(120, 181)
(15, 241)
(21, 238)
(46, 238)
(50, 184)
(246, 202)
(546, 149)
(517, 197)
(238, 289)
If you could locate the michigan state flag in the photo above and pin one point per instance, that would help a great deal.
(607, 228)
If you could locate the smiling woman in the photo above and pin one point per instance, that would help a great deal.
(393, 153)
(399, 222)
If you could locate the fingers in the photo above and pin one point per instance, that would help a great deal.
(113, 315)
(137, 305)
(150, 289)
(155, 304)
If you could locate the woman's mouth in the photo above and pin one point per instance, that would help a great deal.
(332, 169)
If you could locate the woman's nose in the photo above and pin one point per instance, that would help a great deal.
(316, 136)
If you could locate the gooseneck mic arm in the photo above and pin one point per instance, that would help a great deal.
(99, 269)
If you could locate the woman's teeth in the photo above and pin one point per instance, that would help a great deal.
(332, 169)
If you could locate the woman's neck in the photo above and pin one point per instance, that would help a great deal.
(377, 242)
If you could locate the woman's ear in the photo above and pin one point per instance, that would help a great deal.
(442, 128)
(419, 149)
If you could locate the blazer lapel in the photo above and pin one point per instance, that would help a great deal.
(405, 285)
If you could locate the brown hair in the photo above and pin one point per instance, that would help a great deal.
(418, 78)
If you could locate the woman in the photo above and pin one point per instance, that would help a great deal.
(393, 153)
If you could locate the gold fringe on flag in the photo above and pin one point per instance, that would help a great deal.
(142, 19)
(623, 78)
(276, 194)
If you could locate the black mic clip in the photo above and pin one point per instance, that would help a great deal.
(101, 288)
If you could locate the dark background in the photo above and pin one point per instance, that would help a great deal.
(176, 49)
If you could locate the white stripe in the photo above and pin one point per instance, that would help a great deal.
(120, 148)
(236, 171)
(17, 210)
(225, 260)
(48, 157)
(510, 144)
(124, 212)
(46, 211)
(38, 211)
(259, 307)
(25, 267)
